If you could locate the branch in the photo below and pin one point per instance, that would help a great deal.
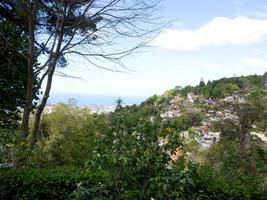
(44, 46)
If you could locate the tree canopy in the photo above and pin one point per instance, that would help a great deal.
(13, 73)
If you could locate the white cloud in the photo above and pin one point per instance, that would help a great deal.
(218, 32)
(254, 62)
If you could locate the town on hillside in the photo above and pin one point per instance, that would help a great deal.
(210, 107)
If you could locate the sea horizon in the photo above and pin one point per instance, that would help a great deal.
(94, 99)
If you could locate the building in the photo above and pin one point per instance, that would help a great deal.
(49, 109)
(176, 100)
(170, 114)
(178, 88)
(191, 97)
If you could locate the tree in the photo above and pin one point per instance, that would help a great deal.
(72, 102)
(264, 82)
(88, 29)
(68, 143)
(201, 83)
(13, 74)
(246, 115)
(118, 101)
(238, 156)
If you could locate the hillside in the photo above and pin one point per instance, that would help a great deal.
(217, 89)
(197, 109)
(226, 86)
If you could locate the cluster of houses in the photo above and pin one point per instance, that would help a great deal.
(223, 114)
(203, 134)
(170, 114)
(205, 137)
(191, 97)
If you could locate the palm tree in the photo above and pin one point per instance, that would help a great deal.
(118, 101)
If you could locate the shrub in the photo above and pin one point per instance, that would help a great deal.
(40, 183)
(68, 137)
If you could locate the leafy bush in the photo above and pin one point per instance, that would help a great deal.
(40, 184)
(130, 164)
(192, 182)
(68, 137)
(8, 138)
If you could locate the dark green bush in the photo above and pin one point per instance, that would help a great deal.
(64, 183)
(40, 184)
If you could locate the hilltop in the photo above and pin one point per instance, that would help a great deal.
(217, 89)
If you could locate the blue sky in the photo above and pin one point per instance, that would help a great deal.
(208, 38)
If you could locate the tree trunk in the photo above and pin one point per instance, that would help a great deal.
(31, 13)
(51, 67)
(40, 108)
(245, 140)
(29, 89)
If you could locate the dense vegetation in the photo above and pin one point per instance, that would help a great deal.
(133, 154)
(151, 151)
(226, 86)
(13, 74)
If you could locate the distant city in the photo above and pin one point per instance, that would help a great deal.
(96, 103)
(91, 99)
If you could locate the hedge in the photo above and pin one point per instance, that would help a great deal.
(60, 183)
(40, 183)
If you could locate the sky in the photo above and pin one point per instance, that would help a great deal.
(207, 39)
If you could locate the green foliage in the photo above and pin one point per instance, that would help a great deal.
(187, 89)
(201, 83)
(68, 136)
(237, 158)
(8, 138)
(160, 100)
(13, 70)
(188, 119)
(40, 184)
(130, 164)
(194, 182)
(192, 145)
(119, 102)
(225, 86)
(151, 101)
(128, 117)
(232, 165)
(13, 74)
(129, 157)
(218, 187)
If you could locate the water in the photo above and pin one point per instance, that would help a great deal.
(85, 99)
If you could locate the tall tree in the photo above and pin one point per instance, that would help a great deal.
(92, 30)
(13, 73)
(245, 115)
(264, 83)
(201, 83)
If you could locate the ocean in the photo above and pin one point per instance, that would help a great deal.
(85, 100)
